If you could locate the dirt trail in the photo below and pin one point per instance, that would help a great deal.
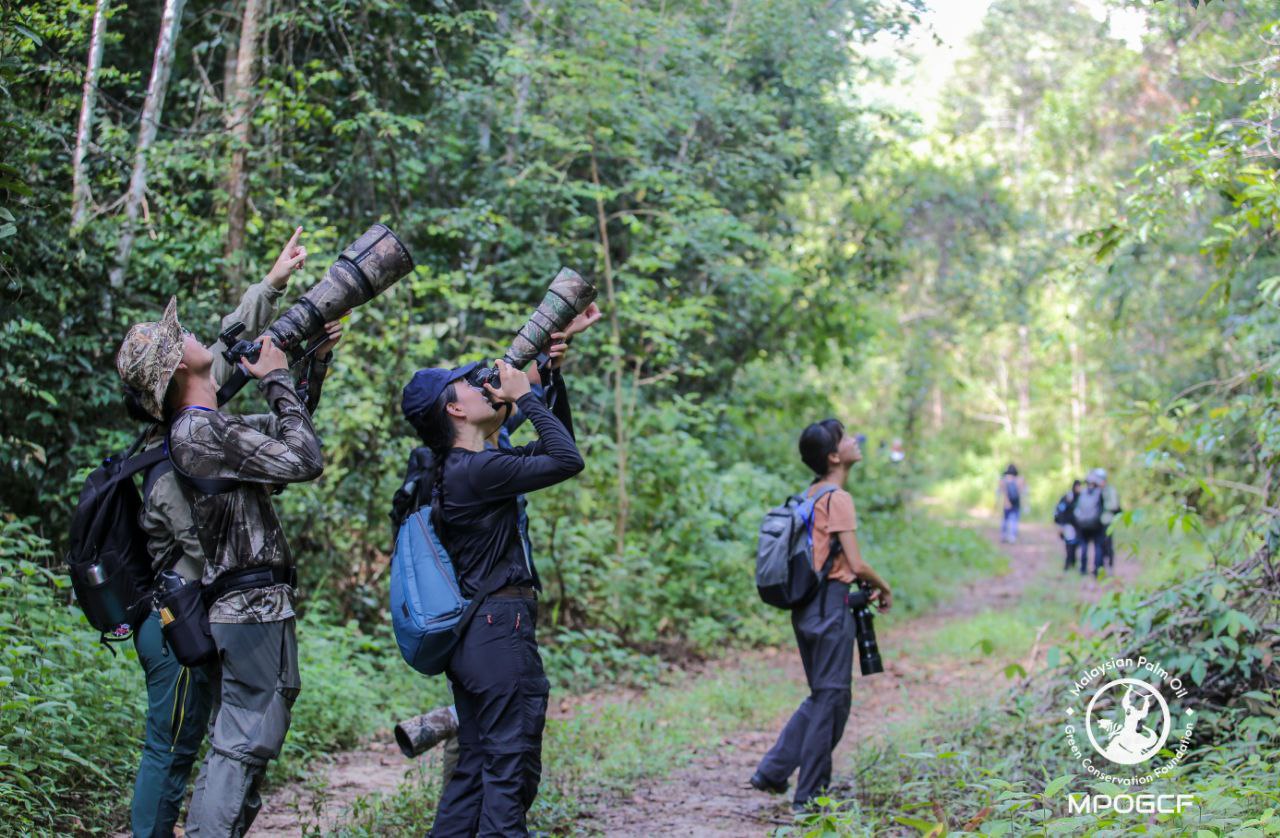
(709, 797)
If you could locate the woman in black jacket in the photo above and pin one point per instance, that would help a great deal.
(496, 671)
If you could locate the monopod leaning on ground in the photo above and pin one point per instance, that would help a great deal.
(370, 265)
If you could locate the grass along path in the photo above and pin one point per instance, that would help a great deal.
(674, 758)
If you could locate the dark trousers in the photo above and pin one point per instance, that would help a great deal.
(1096, 540)
(501, 694)
(255, 682)
(1108, 549)
(1073, 547)
(178, 701)
(825, 633)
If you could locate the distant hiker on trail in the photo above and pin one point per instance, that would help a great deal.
(1063, 516)
(1009, 493)
(179, 698)
(823, 626)
(495, 670)
(1088, 520)
(1110, 509)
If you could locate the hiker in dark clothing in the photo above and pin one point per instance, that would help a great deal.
(1009, 494)
(1087, 515)
(824, 626)
(495, 671)
(1110, 509)
(1063, 516)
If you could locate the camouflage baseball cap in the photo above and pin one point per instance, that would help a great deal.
(149, 355)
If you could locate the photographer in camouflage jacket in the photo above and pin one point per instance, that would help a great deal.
(248, 572)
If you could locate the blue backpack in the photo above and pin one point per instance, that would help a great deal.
(428, 612)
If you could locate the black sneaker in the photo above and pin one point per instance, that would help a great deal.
(761, 784)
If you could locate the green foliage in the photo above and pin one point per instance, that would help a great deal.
(1002, 768)
(68, 743)
(924, 560)
(73, 713)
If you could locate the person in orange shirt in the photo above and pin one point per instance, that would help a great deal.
(824, 626)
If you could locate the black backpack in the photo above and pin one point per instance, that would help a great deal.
(107, 556)
(1062, 512)
(415, 490)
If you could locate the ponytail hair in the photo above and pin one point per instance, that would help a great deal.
(133, 404)
(436, 431)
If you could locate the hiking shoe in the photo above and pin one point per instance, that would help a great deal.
(761, 784)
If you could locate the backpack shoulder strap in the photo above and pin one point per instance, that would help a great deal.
(143, 461)
(203, 485)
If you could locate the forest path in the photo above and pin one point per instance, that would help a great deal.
(709, 796)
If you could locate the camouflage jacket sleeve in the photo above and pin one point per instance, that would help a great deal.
(281, 449)
(256, 310)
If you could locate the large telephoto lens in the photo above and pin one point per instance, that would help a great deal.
(568, 296)
(868, 651)
(372, 264)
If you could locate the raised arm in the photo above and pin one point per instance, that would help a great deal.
(257, 306)
(554, 458)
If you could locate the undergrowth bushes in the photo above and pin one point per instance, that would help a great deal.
(1005, 768)
(71, 715)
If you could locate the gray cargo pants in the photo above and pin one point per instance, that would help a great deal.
(255, 682)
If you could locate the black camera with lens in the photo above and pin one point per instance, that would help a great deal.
(864, 623)
(370, 265)
(237, 348)
(568, 296)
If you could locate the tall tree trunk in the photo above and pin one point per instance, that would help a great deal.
(1078, 401)
(170, 22)
(80, 197)
(241, 135)
(1023, 426)
(615, 335)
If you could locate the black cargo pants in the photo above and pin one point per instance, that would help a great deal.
(501, 694)
(826, 636)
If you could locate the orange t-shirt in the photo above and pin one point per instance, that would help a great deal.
(833, 514)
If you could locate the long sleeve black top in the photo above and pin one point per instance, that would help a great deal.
(480, 510)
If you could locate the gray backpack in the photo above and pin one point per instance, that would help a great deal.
(785, 576)
(1088, 510)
